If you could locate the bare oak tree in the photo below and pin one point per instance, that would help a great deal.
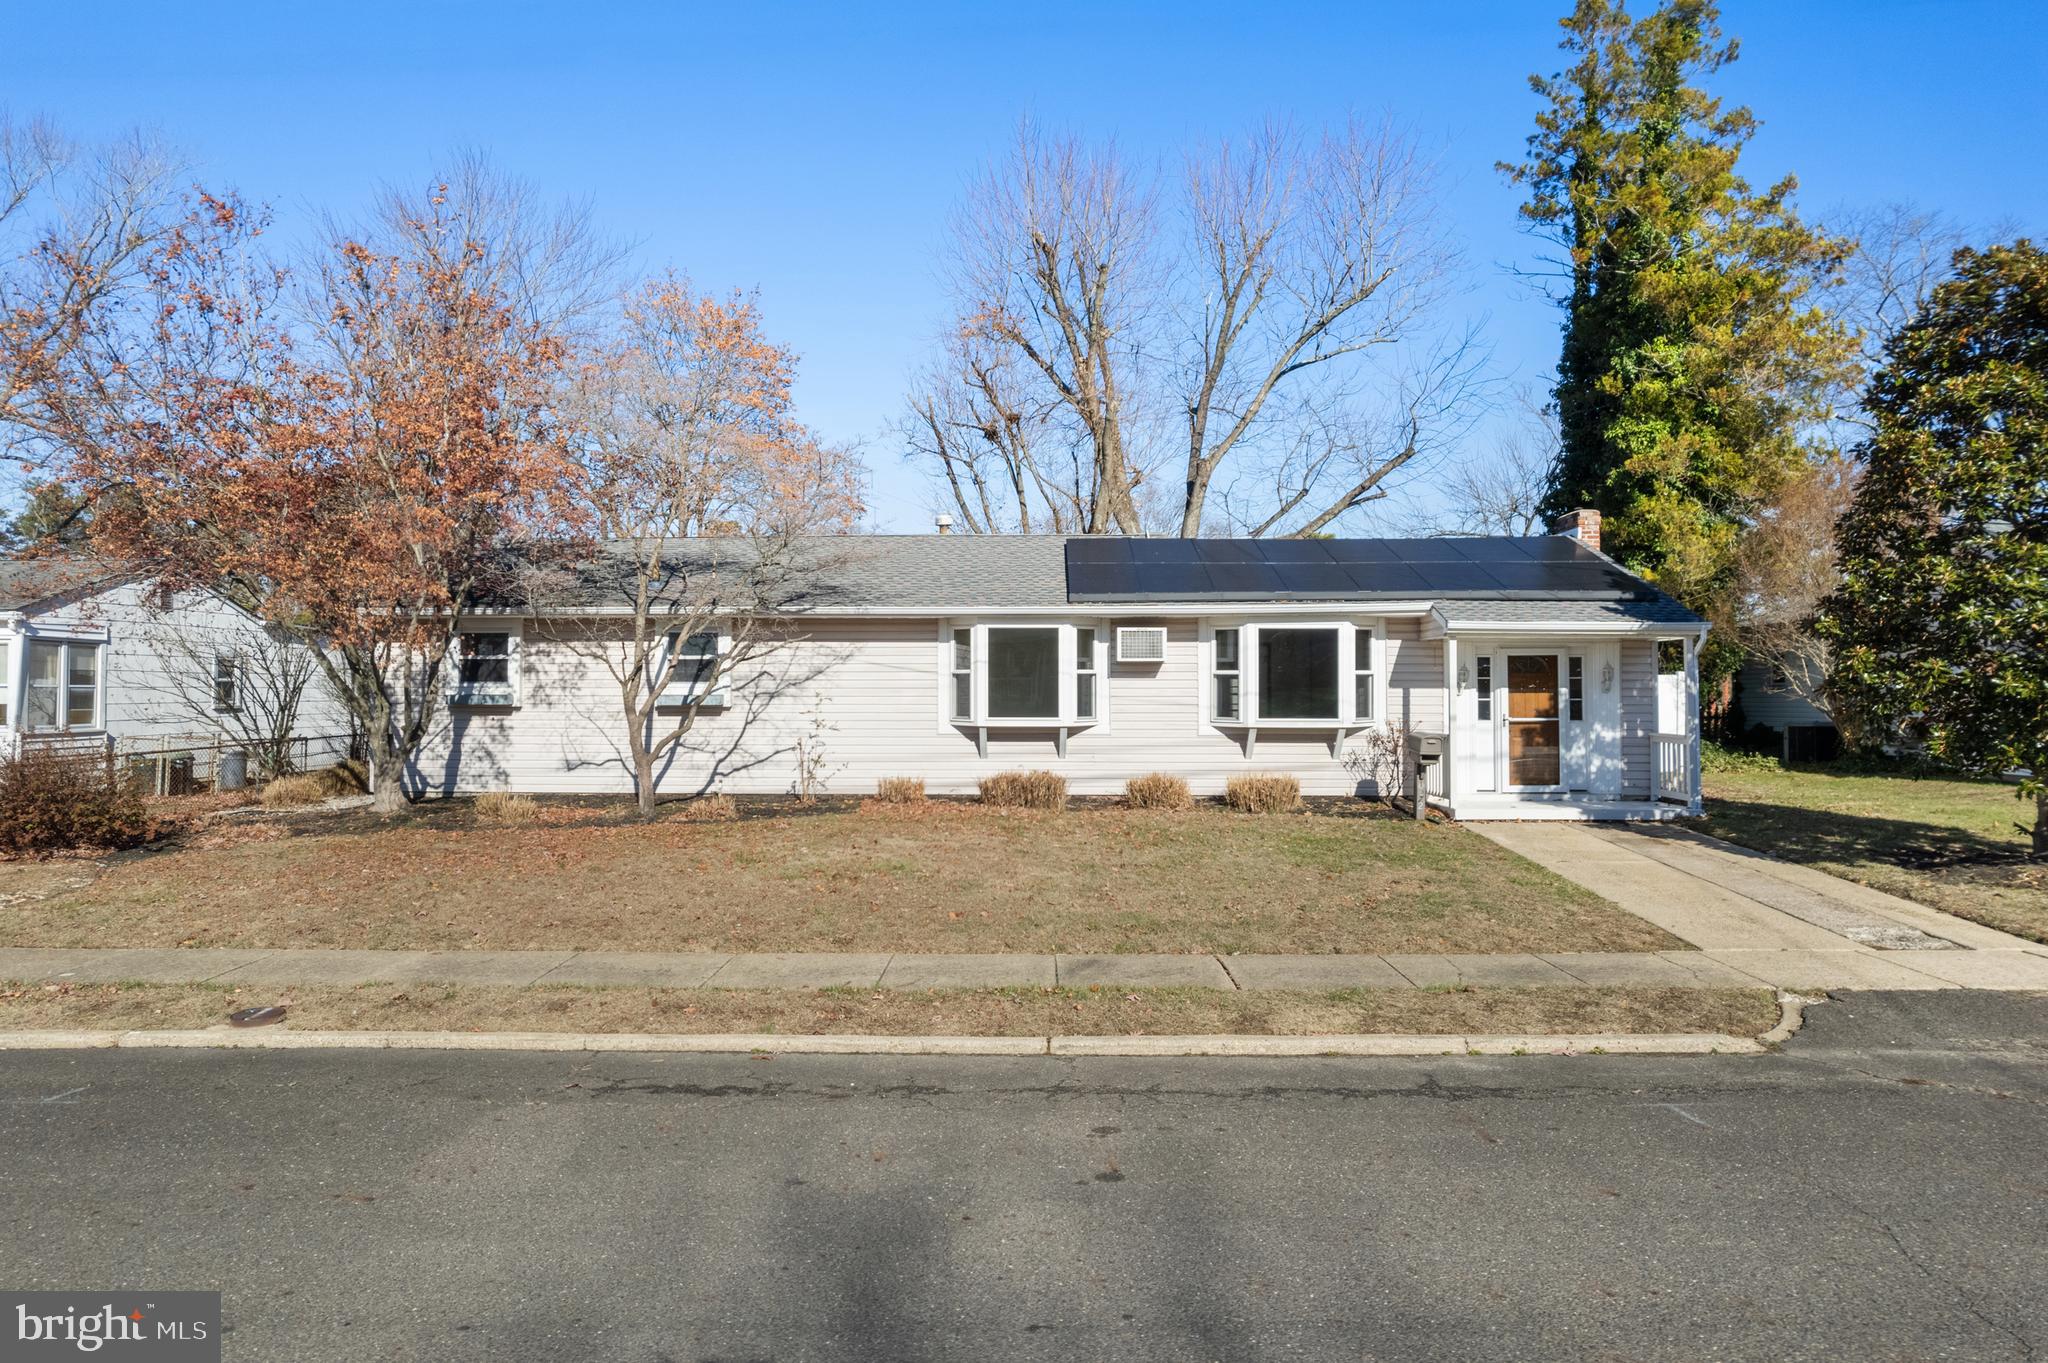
(1220, 331)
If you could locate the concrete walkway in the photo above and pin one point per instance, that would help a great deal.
(1842, 967)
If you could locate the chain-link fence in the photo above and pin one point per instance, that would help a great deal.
(167, 766)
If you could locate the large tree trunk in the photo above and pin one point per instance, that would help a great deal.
(643, 779)
(387, 772)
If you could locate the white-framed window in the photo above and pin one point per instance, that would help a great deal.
(226, 683)
(692, 667)
(1284, 673)
(63, 685)
(1575, 687)
(1482, 669)
(1023, 674)
(961, 653)
(1084, 672)
(486, 667)
(1228, 690)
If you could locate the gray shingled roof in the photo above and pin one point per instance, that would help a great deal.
(25, 582)
(1652, 608)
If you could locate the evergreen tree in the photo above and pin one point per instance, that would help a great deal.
(1695, 363)
(1941, 620)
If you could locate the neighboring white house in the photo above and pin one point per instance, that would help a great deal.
(94, 657)
(1529, 665)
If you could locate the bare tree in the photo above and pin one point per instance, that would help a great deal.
(1220, 334)
(1785, 566)
(247, 689)
(703, 494)
(77, 225)
(1501, 492)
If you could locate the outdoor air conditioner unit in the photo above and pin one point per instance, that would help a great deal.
(1141, 644)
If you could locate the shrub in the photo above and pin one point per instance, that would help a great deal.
(900, 790)
(505, 809)
(1157, 791)
(290, 792)
(1025, 790)
(50, 801)
(711, 809)
(1264, 793)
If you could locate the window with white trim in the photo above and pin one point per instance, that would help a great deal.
(1297, 673)
(1482, 668)
(1361, 674)
(1084, 673)
(226, 683)
(63, 690)
(1229, 687)
(1575, 686)
(963, 674)
(691, 666)
(1023, 675)
(486, 667)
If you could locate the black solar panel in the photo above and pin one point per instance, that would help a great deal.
(1115, 568)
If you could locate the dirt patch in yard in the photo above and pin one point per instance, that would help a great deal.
(933, 878)
(937, 1012)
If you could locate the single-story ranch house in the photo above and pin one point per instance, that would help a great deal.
(1528, 666)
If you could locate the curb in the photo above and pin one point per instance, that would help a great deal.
(1684, 1043)
(1791, 1017)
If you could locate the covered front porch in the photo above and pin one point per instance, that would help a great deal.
(1589, 719)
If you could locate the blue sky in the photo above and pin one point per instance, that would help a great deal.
(815, 152)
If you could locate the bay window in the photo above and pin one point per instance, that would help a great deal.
(1023, 675)
(63, 690)
(1293, 674)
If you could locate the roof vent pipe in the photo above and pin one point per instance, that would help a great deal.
(944, 523)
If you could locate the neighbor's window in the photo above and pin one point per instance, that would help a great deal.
(1482, 668)
(1575, 686)
(483, 670)
(963, 674)
(1361, 675)
(1084, 674)
(225, 683)
(1229, 676)
(1297, 673)
(63, 685)
(1023, 672)
(694, 669)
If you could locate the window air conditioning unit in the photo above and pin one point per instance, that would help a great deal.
(1143, 644)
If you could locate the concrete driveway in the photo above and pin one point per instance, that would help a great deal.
(1789, 925)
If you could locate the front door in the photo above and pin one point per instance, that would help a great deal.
(1535, 745)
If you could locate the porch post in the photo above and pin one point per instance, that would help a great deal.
(1449, 761)
(1692, 716)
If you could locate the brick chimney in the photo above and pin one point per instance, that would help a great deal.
(1582, 525)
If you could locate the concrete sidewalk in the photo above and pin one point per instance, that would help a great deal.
(1842, 966)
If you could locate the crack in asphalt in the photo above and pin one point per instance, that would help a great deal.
(1961, 1294)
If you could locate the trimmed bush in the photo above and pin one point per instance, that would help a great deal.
(507, 810)
(1264, 793)
(1025, 790)
(900, 790)
(1157, 791)
(51, 801)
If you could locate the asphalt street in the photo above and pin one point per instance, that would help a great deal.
(1878, 1191)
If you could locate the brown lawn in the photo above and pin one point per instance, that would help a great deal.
(939, 1012)
(942, 877)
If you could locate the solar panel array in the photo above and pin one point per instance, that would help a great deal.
(1115, 568)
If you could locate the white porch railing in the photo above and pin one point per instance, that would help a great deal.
(1671, 767)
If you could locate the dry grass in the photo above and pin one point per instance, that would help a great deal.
(900, 790)
(503, 809)
(314, 787)
(941, 876)
(935, 1012)
(710, 809)
(1157, 791)
(1262, 794)
(1024, 790)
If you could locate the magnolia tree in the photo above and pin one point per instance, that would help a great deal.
(706, 501)
(1943, 606)
(343, 452)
